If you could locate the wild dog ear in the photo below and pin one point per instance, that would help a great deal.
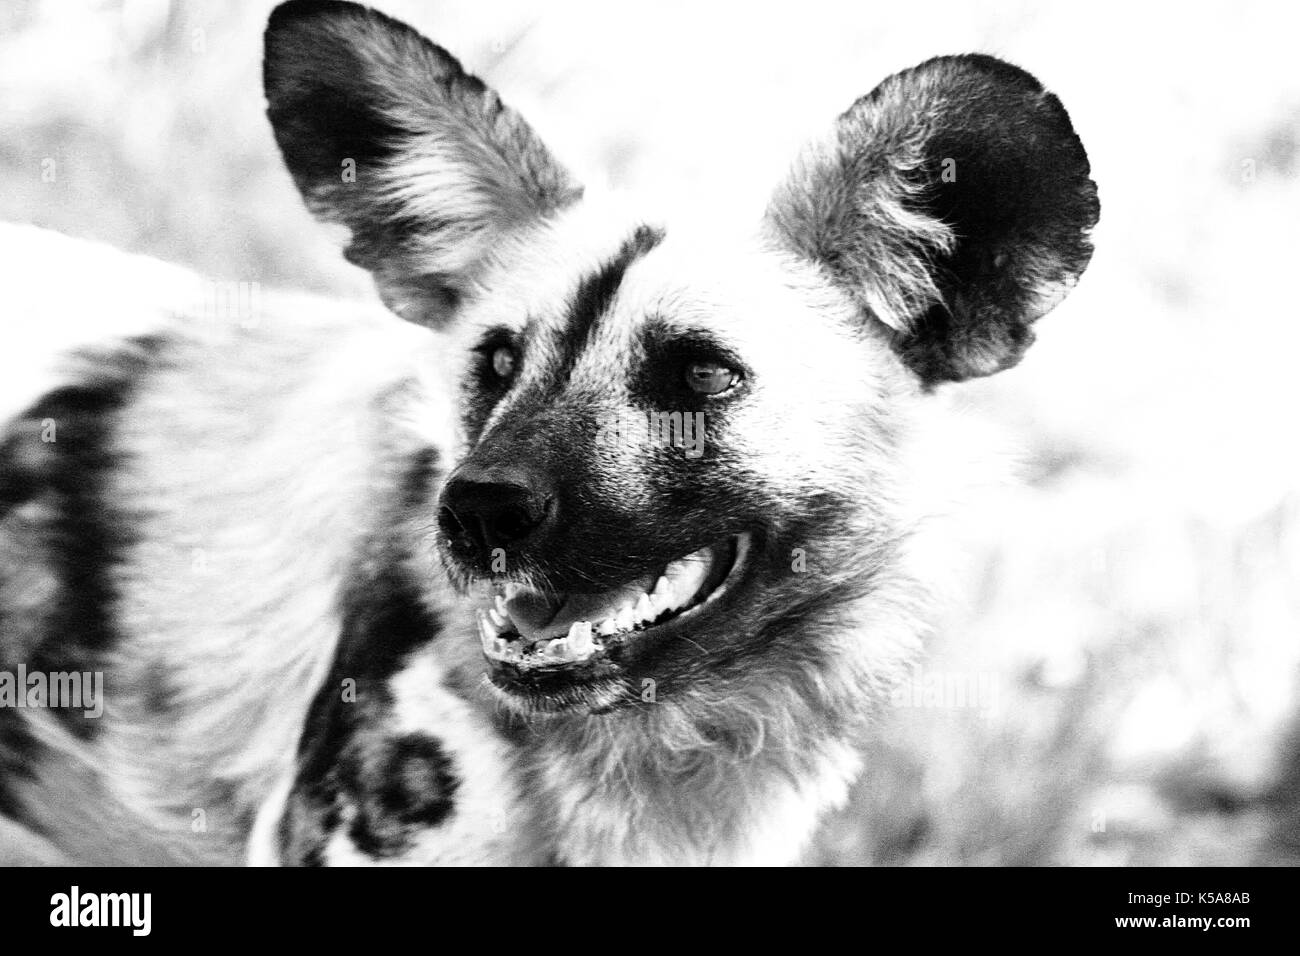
(953, 204)
(385, 133)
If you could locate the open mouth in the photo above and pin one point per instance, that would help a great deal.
(529, 629)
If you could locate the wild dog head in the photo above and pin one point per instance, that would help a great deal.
(683, 446)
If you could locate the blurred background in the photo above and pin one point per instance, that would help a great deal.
(1116, 682)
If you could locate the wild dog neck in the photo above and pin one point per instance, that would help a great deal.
(738, 767)
(735, 759)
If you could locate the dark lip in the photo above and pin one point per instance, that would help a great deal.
(601, 683)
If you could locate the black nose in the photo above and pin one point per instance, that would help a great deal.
(501, 507)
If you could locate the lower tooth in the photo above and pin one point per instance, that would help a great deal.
(606, 627)
(644, 609)
(625, 619)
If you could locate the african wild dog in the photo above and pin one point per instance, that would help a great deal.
(435, 627)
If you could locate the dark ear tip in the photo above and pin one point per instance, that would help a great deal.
(298, 30)
(289, 17)
(297, 11)
(1006, 81)
(990, 67)
(305, 16)
(993, 76)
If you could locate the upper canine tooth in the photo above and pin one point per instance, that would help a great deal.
(487, 625)
(498, 617)
(500, 602)
(687, 574)
(644, 610)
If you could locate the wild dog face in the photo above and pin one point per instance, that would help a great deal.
(684, 452)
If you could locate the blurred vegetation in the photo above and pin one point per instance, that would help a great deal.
(1133, 603)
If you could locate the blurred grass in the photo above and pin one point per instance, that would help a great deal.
(1134, 603)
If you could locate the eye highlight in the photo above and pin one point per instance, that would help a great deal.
(504, 361)
(710, 378)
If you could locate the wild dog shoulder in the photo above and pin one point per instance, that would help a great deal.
(395, 765)
(181, 514)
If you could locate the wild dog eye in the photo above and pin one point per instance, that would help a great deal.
(504, 362)
(710, 378)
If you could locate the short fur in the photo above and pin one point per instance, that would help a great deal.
(292, 649)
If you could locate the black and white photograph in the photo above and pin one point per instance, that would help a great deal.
(489, 433)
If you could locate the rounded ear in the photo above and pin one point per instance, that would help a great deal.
(952, 204)
(385, 133)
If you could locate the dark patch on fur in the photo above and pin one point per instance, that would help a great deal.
(84, 540)
(595, 293)
(355, 130)
(348, 768)
(1022, 206)
(406, 784)
(418, 488)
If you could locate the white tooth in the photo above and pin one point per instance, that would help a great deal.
(625, 619)
(487, 625)
(687, 575)
(606, 627)
(501, 648)
(580, 645)
(486, 636)
(501, 606)
(498, 617)
(558, 649)
(644, 610)
(662, 597)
